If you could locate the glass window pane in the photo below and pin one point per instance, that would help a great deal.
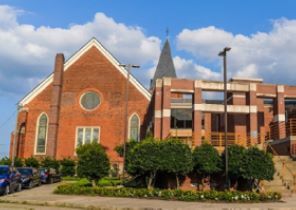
(41, 134)
(134, 128)
(87, 138)
(134, 134)
(181, 118)
(90, 100)
(80, 136)
(95, 137)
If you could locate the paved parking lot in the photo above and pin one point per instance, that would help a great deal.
(43, 196)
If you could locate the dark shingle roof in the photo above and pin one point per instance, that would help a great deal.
(165, 66)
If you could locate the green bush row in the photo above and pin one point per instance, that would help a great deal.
(65, 166)
(180, 195)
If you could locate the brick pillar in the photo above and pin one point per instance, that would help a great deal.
(253, 116)
(279, 117)
(197, 114)
(20, 133)
(157, 108)
(208, 125)
(239, 120)
(55, 106)
(166, 108)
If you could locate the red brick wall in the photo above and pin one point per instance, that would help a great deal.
(94, 72)
(91, 72)
(40, 104)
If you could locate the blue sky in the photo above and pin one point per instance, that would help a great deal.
(261, 33)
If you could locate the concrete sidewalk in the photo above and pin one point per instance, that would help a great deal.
(43, 196)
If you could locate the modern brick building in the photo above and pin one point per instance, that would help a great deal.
(84, 100)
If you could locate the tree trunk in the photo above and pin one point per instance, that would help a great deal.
(94, 183)
(206, 183)
(150, 180)
(177, 181)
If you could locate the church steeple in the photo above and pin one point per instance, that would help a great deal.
(165, 66)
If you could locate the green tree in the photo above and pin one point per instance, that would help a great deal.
(18, 162)
(32, 162)
(93, 162)
(5, 161)
(49, 162)
(257, 165)
(67, 167)
(129, 147)
(176, 158)
(145, 159)
(235, 161)
(206, 161)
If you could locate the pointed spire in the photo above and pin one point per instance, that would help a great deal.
(165, 66)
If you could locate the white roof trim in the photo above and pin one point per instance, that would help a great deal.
(93, 42)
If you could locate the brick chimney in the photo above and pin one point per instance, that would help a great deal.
(55, 105)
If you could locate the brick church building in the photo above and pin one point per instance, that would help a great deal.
(84, 100)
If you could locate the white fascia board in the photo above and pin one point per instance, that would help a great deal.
(93, 42)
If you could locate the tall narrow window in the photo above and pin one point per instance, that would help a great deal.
(41, 134)
(134, 128)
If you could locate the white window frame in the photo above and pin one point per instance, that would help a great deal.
(36, 135)
(129, 125)
(91, 134)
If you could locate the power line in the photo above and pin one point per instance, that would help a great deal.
(8, 119)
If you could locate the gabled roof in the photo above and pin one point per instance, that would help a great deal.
(165, 66)
(92, 43)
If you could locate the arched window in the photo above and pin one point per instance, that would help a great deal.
(41, 134)
(134, 127)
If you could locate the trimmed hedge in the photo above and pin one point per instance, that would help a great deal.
(235, 196)
(106, 182)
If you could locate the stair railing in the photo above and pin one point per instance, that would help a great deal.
(284, 169)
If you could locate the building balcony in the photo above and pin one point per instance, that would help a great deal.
(181, 103)
(181, 132)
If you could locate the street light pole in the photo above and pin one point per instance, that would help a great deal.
(15, 138)
(223, 54)
(128, 67)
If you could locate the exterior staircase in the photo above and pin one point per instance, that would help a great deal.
(284, 177)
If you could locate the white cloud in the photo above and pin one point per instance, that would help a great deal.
(189, 69)
(27, 52)
(269, 55)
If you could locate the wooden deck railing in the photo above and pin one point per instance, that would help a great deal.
(291, 127)
(217, 139)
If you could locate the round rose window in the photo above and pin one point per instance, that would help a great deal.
(90, 100)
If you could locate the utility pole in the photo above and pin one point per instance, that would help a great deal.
(15, 137)
(223, 53)
(128, 67)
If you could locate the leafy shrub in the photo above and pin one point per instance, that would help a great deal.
(176, 158)
(106, 182)
(93, 162)
(235, 162)
(5, 161)
(67, 167)
(32, 162)
(129, 147)
(146, 159)
(18, 162)
(228, 196)
(48, 162)
(257, 165)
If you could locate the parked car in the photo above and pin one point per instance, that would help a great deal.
(29, 176)
(10, 180)
(49, 175)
